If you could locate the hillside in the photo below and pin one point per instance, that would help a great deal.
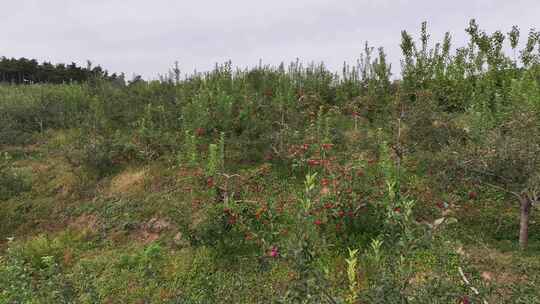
(288, 184)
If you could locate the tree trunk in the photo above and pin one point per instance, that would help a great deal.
(525, 206)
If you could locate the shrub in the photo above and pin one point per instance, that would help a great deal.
(12, 180)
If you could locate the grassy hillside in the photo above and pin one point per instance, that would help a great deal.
(286, 184)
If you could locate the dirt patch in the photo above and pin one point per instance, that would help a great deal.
(157, 225)
(38, 168)
(152, 230)
(146, 237)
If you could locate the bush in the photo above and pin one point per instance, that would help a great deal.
(26, 110)
(12, 181)
(31, 273)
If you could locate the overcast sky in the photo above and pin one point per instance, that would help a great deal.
(147, 36)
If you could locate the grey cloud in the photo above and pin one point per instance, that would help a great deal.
(146, 37)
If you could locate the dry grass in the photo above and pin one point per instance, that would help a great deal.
(128, 182)
(86, 223)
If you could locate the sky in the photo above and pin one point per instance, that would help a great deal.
(146, 37)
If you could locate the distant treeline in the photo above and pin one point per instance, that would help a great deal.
(27, 71)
